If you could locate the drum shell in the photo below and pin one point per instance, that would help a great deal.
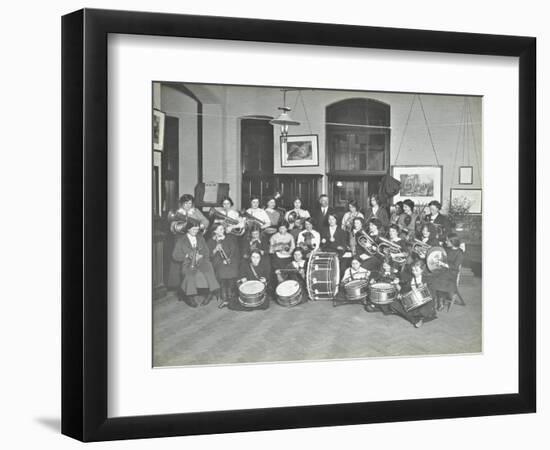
(251, 299)
(323, 273)
(356, 289)
(382, 293)
(289, 293)
(416, 298)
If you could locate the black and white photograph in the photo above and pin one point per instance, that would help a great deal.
(330, 231)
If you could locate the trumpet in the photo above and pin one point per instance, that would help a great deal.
(228, 222)
(250, 218)
(420, 248)
(219, 249)
(391, 249)
(368, 243)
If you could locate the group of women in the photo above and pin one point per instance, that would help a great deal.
(220, 251)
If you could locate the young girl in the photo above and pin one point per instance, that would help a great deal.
(295, 270)
(445, 280)
(355, 272)
(226, 261)
(352, 214)
(281, 245)
(255, 268)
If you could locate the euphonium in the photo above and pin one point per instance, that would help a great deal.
(391, 249)
(420, 248)
(368, 243)
(228, 221)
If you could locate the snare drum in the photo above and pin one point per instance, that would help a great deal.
(289, 293)
(323, 272)
(416, 298)
(252, 293)
(382, 293)
(356, 289)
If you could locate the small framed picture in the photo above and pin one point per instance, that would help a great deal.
(300, 151)
(158, 129)
(470, 197)
(465, 175)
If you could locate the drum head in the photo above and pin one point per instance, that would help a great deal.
(382, 287)
(434, 256)
(251, 287)
(356, 283)
(287, 288)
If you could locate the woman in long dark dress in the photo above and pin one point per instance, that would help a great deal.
(226, 261)
(199, 281)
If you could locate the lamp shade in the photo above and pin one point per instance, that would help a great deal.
(284, 120)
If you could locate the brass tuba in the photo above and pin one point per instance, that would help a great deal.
(391, 249)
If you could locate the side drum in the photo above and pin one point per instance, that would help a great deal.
(323, 272)
(356, 290)
(416, 298)
(252, 293)
(382, 293)
(289, 293)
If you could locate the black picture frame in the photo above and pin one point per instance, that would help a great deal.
(461, 180)
(314, 142)
(84, 224)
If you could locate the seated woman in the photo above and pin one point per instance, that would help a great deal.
(199, 281)
(352, 213)
(443, 223)
(428, 238)
(409, 220)
(412, 277)
(253, 240)
(355, 272)
(358, 226)
(296, 270)
(255, 268)
(376, 211)
(445, 280)
(281, 245)
(398, 257)
(308, 239)
(333, 238)
(370, 259)
(226, 259)
(228, 211)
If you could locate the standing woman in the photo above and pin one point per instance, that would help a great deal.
(296, 212)
(187, 209)
(375, 211)
(409, 220)
(226, 261)
(199, 281)
(228, 211)
(281, 245)
(258, 213)
(351, 214)
(274, 215)
(396, 211)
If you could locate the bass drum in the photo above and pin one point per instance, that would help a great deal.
(252, 294)
(356, 290)
(289, 293)
(323, 272)
(434, 256)
(416, 298)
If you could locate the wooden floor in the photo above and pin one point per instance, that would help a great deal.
(312, 331)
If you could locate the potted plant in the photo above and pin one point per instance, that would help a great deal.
(458, 212)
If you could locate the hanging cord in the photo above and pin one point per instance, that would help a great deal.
(404, 130)
(429, 132)
(305, 112)
(459, 133)
(474, 140)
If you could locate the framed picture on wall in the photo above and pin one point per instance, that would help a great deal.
(421, 184)
(465, 175)
(300, 151)
(111, 388)
(469, 199)
(158, 129)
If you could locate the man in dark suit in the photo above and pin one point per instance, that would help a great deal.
(319, 215)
